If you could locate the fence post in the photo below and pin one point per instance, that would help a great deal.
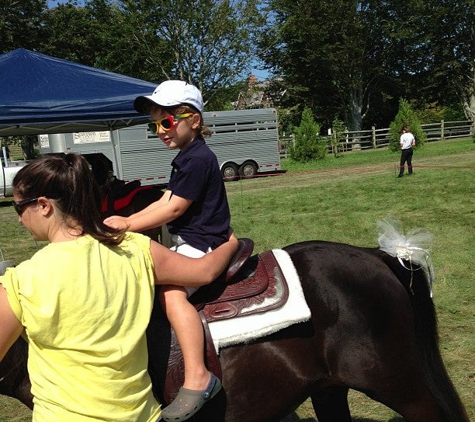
(373, 135)
(442, 130)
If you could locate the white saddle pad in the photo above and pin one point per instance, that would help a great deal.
(246, 328)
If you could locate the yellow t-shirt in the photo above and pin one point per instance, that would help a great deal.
(85, 308)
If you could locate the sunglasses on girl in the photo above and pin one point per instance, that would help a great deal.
(167, 123)
(19, 206)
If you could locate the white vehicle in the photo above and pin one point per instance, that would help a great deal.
(7, 173)
(245, 142)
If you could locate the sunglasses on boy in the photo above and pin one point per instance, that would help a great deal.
(20, 205)
(167, 123)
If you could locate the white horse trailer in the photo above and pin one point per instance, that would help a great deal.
(245, 142)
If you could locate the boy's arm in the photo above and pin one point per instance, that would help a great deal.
(174, 268)
(158, 216)
(120, 222)
(163, 200)
(166, 209)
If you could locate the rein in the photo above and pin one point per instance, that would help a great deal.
(10, 371)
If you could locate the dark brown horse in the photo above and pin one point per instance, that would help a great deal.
(373, 329)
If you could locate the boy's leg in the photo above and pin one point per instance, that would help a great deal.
(188, 328)
(200, 385)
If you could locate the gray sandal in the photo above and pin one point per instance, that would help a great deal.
(188, 402)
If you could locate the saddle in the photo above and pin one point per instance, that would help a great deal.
(250, 280)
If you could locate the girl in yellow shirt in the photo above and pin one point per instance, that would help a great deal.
(84, 301)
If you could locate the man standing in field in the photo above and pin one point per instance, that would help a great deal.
(407, 141)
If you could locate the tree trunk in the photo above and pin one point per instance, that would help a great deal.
(355, 105)
(469, 101)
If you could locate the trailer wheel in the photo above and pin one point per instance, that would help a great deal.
(248, 169)
(230, 172)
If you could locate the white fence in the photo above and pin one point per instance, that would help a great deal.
(378, 138)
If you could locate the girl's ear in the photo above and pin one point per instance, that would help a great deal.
(45, 204)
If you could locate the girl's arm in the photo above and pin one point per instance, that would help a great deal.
(174, 268)
(10, 327)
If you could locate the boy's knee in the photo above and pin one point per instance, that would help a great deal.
(172, 297)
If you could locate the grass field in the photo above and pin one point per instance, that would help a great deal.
(341, 200)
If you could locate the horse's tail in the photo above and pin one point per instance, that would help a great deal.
(416, 276)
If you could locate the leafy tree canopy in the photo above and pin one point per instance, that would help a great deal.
(210, 43)
(21, 24)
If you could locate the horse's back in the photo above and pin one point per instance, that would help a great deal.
(338, 273)
(361, 320)
(359, 307)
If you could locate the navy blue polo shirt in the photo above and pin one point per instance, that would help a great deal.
(196, 175)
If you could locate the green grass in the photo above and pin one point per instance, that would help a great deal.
(341, 200)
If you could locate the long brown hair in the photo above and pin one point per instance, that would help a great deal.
(68, 180)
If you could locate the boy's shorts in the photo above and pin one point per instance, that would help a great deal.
(184, 248)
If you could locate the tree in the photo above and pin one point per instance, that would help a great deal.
(20, 24)
(309, 145)
(405, 117)
(431, 51)
(451, 53)
(355, 59)
(209, 43)
(70, 34)
(331, 55)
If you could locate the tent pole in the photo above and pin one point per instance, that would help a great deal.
(4, 178)
(4, 151)
(114, 136)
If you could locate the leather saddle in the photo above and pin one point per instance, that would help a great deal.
(241, 291)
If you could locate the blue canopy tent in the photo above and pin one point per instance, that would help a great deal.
(40, 94)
